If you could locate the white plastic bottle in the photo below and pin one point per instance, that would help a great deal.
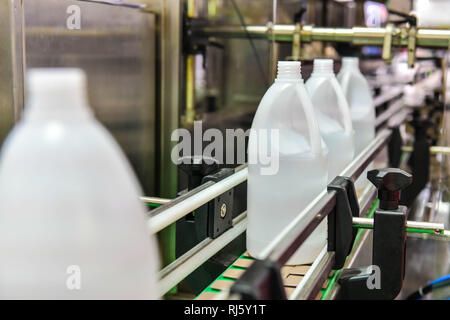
(71, 223)
(276, 198)
(333, 115)
(357, 92)
(359, 97)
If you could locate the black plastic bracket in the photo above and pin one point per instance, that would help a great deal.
(419, 160)
(384, 278)
(388, 258)
(395, 148)
(341, 234)
(220, 210)
(261, 281)
(412, 20)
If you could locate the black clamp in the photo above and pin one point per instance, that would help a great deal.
(407, 18)
(261, 281)
(384, 278)
(419, 162)
(395, 147)
(196, 168)
(220, 210)
(217, 214)
(341, 234)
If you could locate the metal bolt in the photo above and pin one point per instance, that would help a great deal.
(223, 210)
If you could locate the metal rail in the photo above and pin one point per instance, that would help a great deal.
(444, 236)
(290, 239)
(439, 38)
(181, 206)
(311, 284)
(438, 228)
(388, 96)
(394, 108)
(433, 149)
(155, 200)
(172, 274)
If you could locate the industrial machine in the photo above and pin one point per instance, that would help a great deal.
(157, 66)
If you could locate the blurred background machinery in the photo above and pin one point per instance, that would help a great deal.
(157, 65)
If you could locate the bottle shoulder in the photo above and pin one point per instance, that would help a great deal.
(65, 149)
(282, 99)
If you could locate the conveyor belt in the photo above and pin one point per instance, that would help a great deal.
(292, 275)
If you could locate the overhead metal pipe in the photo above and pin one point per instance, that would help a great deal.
(357, 35)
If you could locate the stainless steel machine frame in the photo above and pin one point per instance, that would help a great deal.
(12, 64)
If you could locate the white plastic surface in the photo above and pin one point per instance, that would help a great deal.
(71, 223)
(432, 13)
(333, 115)
(359, 97)
(274, 200)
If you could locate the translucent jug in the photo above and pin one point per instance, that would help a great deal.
(357, 92)
(333, 115)
(71, 222)
(285, 130)
(359, 97)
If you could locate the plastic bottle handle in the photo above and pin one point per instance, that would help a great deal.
(342, 102)
(345, 83)
(313, 126)
(346, 86)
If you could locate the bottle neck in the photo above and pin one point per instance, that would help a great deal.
(289, 71)
(56, 94)
(323, 68)
(350, 63)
